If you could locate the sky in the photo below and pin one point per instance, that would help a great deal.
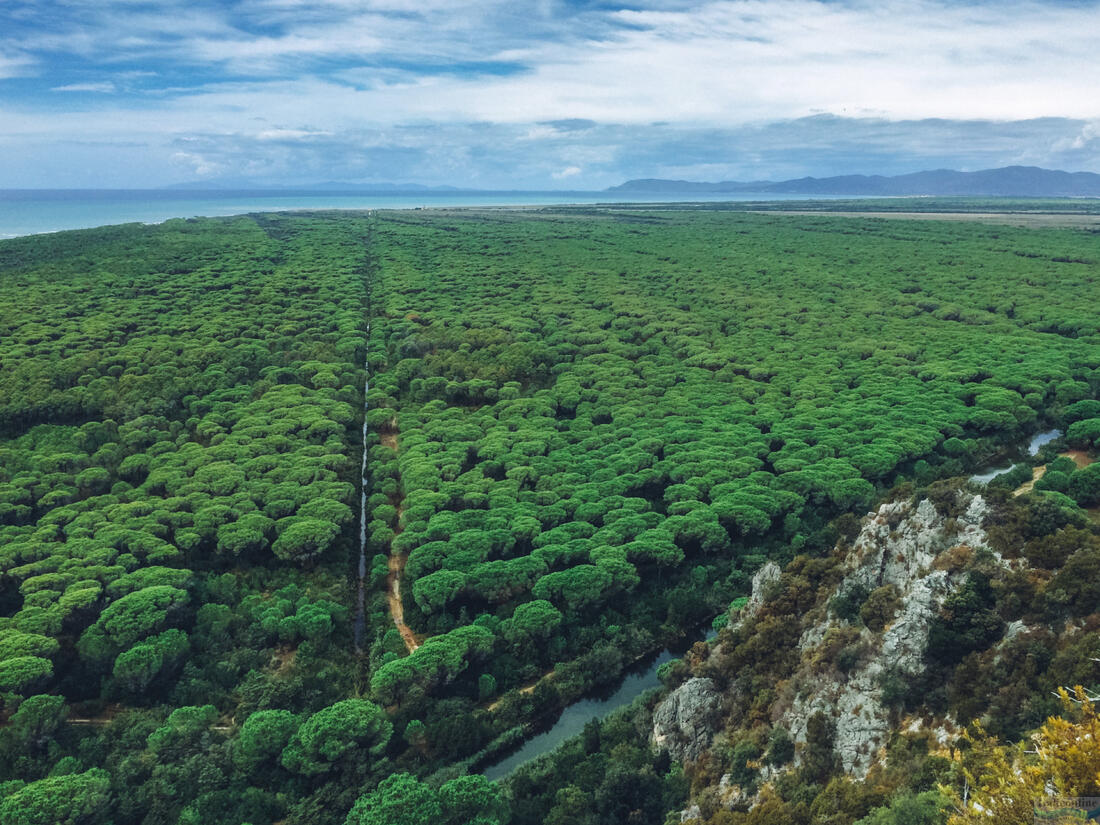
(538, 94)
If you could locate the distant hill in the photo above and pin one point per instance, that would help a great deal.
(1010, 181)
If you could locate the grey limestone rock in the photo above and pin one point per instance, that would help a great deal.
(898, 545)
(761, 581)
(691, 813)
(684, 722)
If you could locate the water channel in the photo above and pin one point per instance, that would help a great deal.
(361, 592)
(636, 681)
(1005, 464)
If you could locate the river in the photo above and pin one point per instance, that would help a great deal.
(1006, 464)
(636, 681)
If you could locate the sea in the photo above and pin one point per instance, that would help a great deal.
(33, 211)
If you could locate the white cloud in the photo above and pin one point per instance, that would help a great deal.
(723, 62)
(196, 164)
(14, 64)
(1084, 139)
(105, 87)
(563, 89)
(742, 61)
(291, 134)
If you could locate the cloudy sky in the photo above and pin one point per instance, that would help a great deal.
(539, 93)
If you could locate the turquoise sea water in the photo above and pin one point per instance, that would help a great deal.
(28, 212)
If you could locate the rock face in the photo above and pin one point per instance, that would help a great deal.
(691, 813)
(898, 545)
(905, 561)
(765, 577)
(683, 723)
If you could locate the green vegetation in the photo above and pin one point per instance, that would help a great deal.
(615, 419)
(179, 411)
(586, 430)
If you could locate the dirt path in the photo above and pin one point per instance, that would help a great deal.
(1080, 458)
(397, 561)
(1036, 474)
(393, 583)
(108, 714)
(528, 688)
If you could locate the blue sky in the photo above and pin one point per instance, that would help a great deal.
(538, 93)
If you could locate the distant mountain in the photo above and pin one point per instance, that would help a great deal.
(1012, 181)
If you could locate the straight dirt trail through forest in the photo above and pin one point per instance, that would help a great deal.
(397, 561)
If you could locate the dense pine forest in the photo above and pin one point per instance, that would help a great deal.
(584, 433)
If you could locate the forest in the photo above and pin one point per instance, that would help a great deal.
(583, 432)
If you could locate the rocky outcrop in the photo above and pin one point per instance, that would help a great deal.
(897, 546)
(684, 722)
(829, 663)
(765, 577)
(864, 634)
(899, 543)
(690, 813)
